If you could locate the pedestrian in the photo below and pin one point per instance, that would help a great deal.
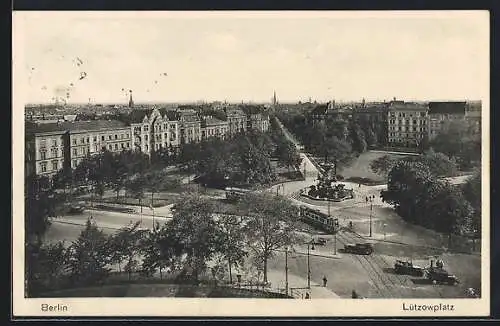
(432, 263)
(308, 296)
(325, 280)
(354, 294)
(366, 198)
(359, 185)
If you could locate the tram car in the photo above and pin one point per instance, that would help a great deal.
(318, 219)
(235, 194)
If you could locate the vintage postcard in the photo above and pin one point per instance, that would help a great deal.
(288, 164)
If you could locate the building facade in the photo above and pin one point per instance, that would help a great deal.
(212, 127)
(407, 124)
(237, 121)
(154, 129)
(440, 113)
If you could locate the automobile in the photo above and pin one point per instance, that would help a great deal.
(319, 241)
(407, 268)
(441, 276)
(76, 209)
(359, 248)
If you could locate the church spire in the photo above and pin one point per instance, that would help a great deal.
(130, 101)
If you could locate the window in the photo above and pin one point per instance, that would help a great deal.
(102, 138)
(74, 141)
(145, 137)
(54, 166)
(95, 139)
(172, 126)
(146, 128)
(116, 146)
(54, 142)
(110, 147)
(146, 147)
(414, 122)
(82, 150)
(43, 155)
(75, 163)
(74, 151)
(407, 122)
(422, 114)
(122, 145)
(121, 136)
(109, 137)
(88, 140)
(399, 128)
(43, 167)
(116, 136)
(82, 140)
(128, 145)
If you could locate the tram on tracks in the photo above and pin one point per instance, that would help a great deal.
(319, 219)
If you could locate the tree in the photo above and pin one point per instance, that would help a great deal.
(357, 137)
(90, 256)
(158, 251)
(125, 247)
(136, 187)
(193, 230)
(439, 164)
(62, 179)
(383, 165)
(46, 267)
(287, 154)
(472, 193)
(339, 150)
(231, 241)
(39, 206)
(270, 225)
(406, 181)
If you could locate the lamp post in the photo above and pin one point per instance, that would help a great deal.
(286, 270)
(371, 210)
(310, 246)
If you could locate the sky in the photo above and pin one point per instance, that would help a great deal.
(245, 56)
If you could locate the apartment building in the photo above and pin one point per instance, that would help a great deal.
(51, 147)
(212, 127)
(153, 129)
(407, 123)
(45, 149)
(237, 120)
(91, 137)
(190, 126)
(440, 113)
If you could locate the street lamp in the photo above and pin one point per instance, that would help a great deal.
(286, 270)
(310, 245)
(371, 210)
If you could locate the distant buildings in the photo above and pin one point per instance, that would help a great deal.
(62, 144)
(404, 124)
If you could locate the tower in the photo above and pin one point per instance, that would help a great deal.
(130, 101)
(275, 100)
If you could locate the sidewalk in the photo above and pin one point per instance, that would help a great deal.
(297, 286)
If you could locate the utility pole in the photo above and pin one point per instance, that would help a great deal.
(371, 209)
(308, 269)
(286, 271)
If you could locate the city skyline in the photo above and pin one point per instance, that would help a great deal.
(189, 57)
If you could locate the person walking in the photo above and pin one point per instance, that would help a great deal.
(308, 296)
(325, 280)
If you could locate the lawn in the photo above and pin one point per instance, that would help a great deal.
(359, 171)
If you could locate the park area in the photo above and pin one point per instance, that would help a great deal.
(359, 170)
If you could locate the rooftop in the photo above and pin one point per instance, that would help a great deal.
(401, 106)
(74, 126)
(213, 121)
(447, 107)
